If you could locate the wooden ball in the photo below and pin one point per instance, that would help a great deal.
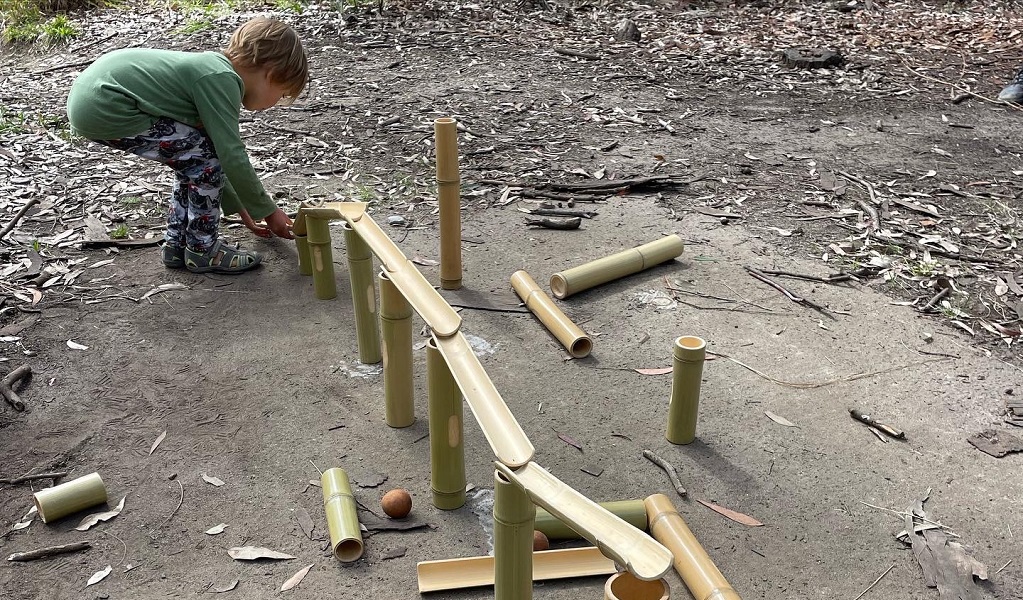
(396, 503)
(540, 541)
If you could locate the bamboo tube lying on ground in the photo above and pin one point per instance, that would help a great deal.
(321, 257)
(449, 200)
(692, 562)
(568, 333)
(342, 518)
(476, 571)
(396, 346)
(632, 512)
(616, 266)
(513, 541)
(447, 453)
(687, 371)
(364, 296)
(70, 497)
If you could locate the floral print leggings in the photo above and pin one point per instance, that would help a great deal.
(194, 214)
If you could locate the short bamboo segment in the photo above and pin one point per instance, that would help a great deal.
(448, 180)
(625, 586)
(692, 562)
(540, 304)
(342, 518)
(70, 497)
(513, 541)
(616, 266)
(447, 454)
(321, 257)
(687, 371)
(396, 346)
(364, 298)
(632, 512)
(305, 266)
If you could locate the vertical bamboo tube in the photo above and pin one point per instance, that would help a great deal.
(626, 586)
(446, 133)
(321, 257)
(342, 518)
(632, 512)
(360, 272)
(70, 497)
(692, 562)
(447, 454)
(513, 541)
(305, 266)
(396, 346)
(540, 304)
(609, 268)
(687, 369)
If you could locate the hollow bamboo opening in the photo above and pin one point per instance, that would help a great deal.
(625, 586)
(557, 322)
(687, 372)
(342, 517)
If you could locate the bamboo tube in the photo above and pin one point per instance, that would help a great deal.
(568, 333)
(380, 243)
(342, 518)
(609, 268)
(305, 266)
(446, 133)
(687, 370)
(321, 257)
(447, 453)
(360, 272)
(691, 561)
(625, 586)
(396, 346)
(631, 511)
(503, 432)
(70, 497)
(618, 540)
(513, 541)
(476, 571)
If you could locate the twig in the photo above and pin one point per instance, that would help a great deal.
(757, 273)
(562, 224)
(870, 210)
(833, 278)
(875, 582)
(48, 551)
(808, 386)
(180, 500)
(7, 386)
(34, 477)
(17, 217)
(318, 470)
(123, 556)
(669, 469)
(1003, 566)
(935, 300)
(722, 299)
(576, 53)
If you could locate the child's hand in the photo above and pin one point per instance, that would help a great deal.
(255, 228)
(280, 224)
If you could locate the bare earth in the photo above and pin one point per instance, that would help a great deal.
(257, 383)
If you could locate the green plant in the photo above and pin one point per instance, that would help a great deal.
(59, 29)
(131, 201)
(294, 6)
(12, 121)
(120, 232)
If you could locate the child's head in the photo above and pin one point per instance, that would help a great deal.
(269, 44)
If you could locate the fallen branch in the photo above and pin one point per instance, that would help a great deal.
(557, 212)
(17, 217)
(34, 477)
(576, 53)
(758, 274)
(669, 469)
(870, 210)
(48, 551)
(7, 386)
(563, 224)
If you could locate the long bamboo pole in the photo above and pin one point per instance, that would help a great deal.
(475, 571)
(342, 517)
(447, 453)
(692, 562)
(540, 304)
(70, 497)
(609, 268)
(360, 272)
(687, 371)
(448, 180)
(632, 512)
(321, 256)
(513, 541)
(396, 346)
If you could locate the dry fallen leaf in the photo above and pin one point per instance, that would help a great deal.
(159, 440)
(305, 522)
(216, 529)
(91, 520)
(654, 371)
(426, 262)
(226, 588)
(99, 576)
(212, 480)
(779, 420)
(738, 517)
(76, 346)
(570, 441)
(295, 579)
(255, 552)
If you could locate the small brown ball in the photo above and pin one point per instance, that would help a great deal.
(540, 541)
(397, 503)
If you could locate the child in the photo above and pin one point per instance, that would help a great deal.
(182, 109)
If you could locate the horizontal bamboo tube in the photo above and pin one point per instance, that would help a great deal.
(349, 211)
(687, 371)
(616, 266)
(641, 555)
(477, 571)
(321, 257)
(342, 518)
(513, 541)
(692, 562)
(449, 201)
(364, 296)
(70, 497)
(396, 346)
(632, 512)
(503, 432)
(447, 451)
(568, 333)
(625, 586)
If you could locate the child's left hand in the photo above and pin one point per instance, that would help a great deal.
(254, 227)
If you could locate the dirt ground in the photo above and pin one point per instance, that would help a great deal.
(257, 383)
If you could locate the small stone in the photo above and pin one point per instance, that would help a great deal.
(395, 220)
(172, 476)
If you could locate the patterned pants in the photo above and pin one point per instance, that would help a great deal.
(194, 214)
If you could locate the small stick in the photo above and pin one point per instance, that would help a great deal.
(669, 469)
(875, 583)
(870, 421)
(562, 224)
(7, 386)
(870, 210)
(833, 278)
(48, 551)
(180, 500)
(557, 212)
(576, 53)
(757, 273)
(33, 477)
(935, 299)
(1003, 566)
(17, 217)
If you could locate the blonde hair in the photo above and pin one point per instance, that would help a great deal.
(271, 44)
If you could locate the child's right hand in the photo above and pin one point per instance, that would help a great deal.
(280, 224)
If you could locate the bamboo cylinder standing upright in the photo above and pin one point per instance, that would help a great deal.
(396, 342)
(692, 562)
(321, 257)
(687, 370)
(447, 453)
(609, 268)
(513, 541)
(305, 266)
(448, 196)
(568, 333)
(364, 298)
(342, 518)
(70, 497)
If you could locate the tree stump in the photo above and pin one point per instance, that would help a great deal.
(811, 58)
(627, 31)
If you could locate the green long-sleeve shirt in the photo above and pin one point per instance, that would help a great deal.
(123, 93)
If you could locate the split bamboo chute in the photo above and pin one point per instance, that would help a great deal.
(477, 571)
(540, 304)
(342, 518)
(513, 540)
(447, 454)
(616, 266)
(632, 512)
(450, 203)
(364, 296)
(692, 562)
(70, 497)
(687, 371)
(396, 347)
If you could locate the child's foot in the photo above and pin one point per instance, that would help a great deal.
(173, 256)
(222, 258)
